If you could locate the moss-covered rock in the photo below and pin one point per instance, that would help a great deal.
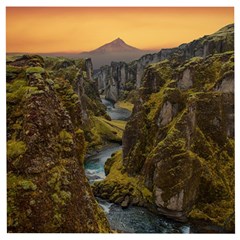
(13, 72)
(120, 79)
(73, 83)
(47, 187)
(180, 142)
(119, 187)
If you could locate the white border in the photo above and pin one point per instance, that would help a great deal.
(3, 122)
(237, 112)
(173, 3)
(153, 3)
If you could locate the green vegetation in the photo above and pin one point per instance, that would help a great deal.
(125, 105)
(32, 70)
(27, 185)
(13, 72)
(104, 130)
(188, 150)
(46, 148)
(207, 73)
(118, 184)
(57, 182)
(190, 63)
(16, 186)
(15, 148)
(17, 89)
(66, 137)
(16, 181)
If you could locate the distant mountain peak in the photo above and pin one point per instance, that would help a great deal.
(116, 50)
(118, 40)
(117, 45)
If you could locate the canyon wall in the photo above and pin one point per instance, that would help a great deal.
(178, 146)
(118, 79)
(48, 107)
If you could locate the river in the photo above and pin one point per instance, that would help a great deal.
(132, 219)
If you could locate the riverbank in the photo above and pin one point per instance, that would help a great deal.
(126, 105)
(130, 219)
(133, 219)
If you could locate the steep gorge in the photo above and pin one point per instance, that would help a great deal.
(178, 146)
(118, 80)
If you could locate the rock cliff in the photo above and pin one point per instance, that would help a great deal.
(178, 146)
(91, 113)
(47, 110)
(118, 79)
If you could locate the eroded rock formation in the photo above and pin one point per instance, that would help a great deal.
(119, 78)
(178, 146)
(47, 187)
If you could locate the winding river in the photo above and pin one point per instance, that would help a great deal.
(132, 219)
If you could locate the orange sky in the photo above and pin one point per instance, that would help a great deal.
(39, 29)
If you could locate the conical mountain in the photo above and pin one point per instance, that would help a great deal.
(117, 50)
(117, 45)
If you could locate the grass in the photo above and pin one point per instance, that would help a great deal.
(104, 131)
(126, 105)
(108, 130)
(118, 124)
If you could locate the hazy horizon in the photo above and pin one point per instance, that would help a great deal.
(84, 51)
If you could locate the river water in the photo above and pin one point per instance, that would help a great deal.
(116, 113)
(132, 219)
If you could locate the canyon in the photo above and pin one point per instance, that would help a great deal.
(119, 78)
(177, 154)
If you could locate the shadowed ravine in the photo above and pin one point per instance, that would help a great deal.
(133, 219)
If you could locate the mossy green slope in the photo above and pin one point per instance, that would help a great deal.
(80, 97)
(119, 187)
(47, 187)
(181, 167)
(180, 141)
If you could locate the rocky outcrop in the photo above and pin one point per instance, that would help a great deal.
(187, 135)
(79, 74)
(97, 125)
(179, 142)
(118, 79)
(115, 79)
(47, 189)
(119, 187)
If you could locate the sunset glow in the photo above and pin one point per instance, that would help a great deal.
(39, 29)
